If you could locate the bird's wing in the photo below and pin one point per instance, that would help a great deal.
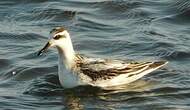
(104, 69)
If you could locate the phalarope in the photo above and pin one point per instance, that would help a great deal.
(75, 69)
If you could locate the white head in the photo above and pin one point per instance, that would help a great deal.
(60, 39)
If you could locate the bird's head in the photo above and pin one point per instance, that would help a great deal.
(59, 37)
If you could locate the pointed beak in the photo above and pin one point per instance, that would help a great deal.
(44, 49)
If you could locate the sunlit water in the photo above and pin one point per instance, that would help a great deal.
(141, 30)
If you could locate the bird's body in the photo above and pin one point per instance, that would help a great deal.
(75, 69)
(104, 72)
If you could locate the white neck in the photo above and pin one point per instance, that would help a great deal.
(67, 77)
(66, 54)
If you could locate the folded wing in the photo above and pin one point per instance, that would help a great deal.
(98, 69)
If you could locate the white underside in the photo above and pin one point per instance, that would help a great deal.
(68, 79)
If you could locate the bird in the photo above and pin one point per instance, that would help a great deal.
(75, 69)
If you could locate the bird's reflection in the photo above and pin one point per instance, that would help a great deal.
(73, 98)
(72, 102)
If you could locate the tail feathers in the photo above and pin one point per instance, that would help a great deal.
(158, 64)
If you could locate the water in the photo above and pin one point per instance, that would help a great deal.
(141, 30)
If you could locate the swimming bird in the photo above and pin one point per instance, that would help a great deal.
(75, 69)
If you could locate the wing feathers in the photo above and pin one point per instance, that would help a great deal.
(105, 70)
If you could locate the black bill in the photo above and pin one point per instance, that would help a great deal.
(44, 49)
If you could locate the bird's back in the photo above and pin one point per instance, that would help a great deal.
(105, 72)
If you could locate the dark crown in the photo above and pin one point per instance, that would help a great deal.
(57, 30)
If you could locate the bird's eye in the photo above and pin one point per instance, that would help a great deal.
(57, 37)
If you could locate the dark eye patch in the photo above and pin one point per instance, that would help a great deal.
(57, 37)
